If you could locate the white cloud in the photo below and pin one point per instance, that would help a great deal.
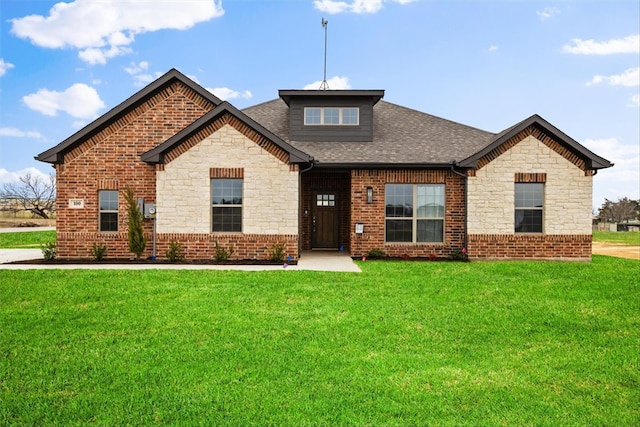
(630, 78)
(224, 93)
(622, 179)
(629, 44)
(8, 177)
(140, 73)
(79, 101)
(354, 6)
(493, 48)
(335, 83)
(635, 101)
(104, 29)
(17, 133)
(4, 67)
(547, 13)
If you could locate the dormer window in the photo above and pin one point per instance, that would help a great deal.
(332, 116)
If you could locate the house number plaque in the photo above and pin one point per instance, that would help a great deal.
(76, 203)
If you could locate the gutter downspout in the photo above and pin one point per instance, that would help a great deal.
(300, 204)
(453, 165)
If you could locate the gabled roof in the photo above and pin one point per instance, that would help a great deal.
(593, 160)
(156, 155)
(402, 137)
(55, 154)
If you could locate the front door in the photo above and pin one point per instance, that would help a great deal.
(325, 225)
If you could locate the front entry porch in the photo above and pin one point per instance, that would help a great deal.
(326, 202)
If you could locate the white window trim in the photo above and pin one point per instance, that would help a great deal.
(340, 119)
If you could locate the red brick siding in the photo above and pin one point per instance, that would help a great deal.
(539, 246)
(373, 215)
(195, 246)
(110, 159)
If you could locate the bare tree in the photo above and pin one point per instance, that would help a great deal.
(622, 210)
(33, 193)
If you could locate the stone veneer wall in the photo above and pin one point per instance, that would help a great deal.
(567, 205)
(270, 198)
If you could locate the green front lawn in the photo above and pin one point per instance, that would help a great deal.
(403, 343)
(26, 239)
(630, 238)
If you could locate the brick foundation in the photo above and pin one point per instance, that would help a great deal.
(194, 246)
(575, 247)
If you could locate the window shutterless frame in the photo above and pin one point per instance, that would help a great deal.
(226, 205)
(529, 208)
(331, 116)
(414, 213)
(108, 210)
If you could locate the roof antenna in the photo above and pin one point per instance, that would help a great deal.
(325, 85)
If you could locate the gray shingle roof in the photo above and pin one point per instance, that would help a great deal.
(401, 136)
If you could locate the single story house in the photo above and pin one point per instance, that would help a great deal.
(320, 169)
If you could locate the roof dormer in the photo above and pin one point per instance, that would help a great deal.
(331, 115)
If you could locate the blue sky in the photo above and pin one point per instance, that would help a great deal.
(488, 64)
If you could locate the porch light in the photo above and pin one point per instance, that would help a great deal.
(369, 194)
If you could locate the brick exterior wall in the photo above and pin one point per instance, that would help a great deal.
(373, 215)
(110, 160)
(576, 247)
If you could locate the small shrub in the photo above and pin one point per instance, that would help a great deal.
(460, 254)
(49, 251)
(376, 253)
(277, 252)
(137, 239)
(98, 251)
(223, 254)
(175, 252)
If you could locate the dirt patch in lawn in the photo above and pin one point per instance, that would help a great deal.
(620, 251)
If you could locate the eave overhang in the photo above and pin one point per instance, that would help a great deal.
(287, 94)
(56, 154)
(157, 154)
(592, 160)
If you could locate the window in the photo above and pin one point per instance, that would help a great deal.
(331, 116)
(226, 200)
(529, 207)
(108, 205)
(414, 213)
(325, 200)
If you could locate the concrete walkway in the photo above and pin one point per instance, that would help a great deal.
(311, 260)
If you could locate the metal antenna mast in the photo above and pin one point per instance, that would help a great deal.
(325, 85)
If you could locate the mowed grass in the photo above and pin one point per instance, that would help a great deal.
(630, 238)
(403, 343)
(26, 239)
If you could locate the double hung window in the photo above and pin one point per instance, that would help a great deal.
(108, 206)
(226, 200)
(414, 213)
(529, 207)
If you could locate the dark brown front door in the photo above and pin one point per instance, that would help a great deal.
(325, 226)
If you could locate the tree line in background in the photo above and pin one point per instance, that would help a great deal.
(624, 210)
